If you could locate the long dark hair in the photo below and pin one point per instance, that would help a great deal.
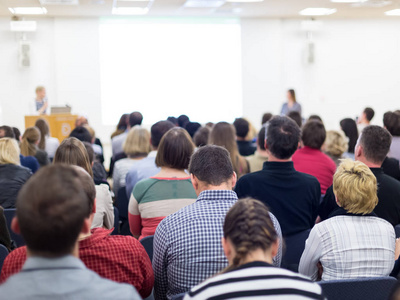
(349, 128)
(43, 126)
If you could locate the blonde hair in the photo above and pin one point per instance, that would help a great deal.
(29, 139)
(91, 131)
(355, 187)
(39, 89)
(335, 143)
(137, 141)
(9, 151)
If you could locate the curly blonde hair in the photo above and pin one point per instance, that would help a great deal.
(335, 143)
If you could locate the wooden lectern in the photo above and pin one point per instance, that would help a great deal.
(60, 125)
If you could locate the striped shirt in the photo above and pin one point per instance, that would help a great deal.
(349, 247)
(256, 280)
(155, 198)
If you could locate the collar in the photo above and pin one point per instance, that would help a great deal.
(42, 263)
(278, 166)
(252, 265)
(217, 195)
(376, 171)
(98, 235)
(340, 211)
(152, 153)
(309, 149)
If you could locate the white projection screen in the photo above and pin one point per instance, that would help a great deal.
(171, 66)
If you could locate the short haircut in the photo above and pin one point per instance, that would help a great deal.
(175, 149)
(242, 127)
(369, 113)
(335, 143)
(201, 136)
(39, 88)
(135, 118)
(375, 142)
(265, 118)
(182, 120)
(7, 132)
(391, 120)
(192, 128)
(137, 141)
(315, 118)
(313, 134)
(82, 134)
(173, 120)
(282, 137)
(158, 130)
(9, 151)
(90, 151)
(355, 187)
(261, 138)
(51, 209)
(211, 164)
(295, 116)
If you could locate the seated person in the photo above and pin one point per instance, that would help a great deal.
(99, 173)
(391, 167)
(118, 258)
(200, 138)
(187, 244)
(98, 150)
(257, 160)
(335, 145)
(250, 242)
(52, 211)
(47, 143)
(293, 197)
(245, 147)
(295, 116)
(365, 119)
(354, 242)
(310, 159)
(391, 121)
(29, 146)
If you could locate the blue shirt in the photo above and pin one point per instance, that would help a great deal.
(286, 109)
(29, 162)
(62, 278)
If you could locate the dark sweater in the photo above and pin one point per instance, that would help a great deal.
(388, 207)
(246, 148)
(391, 167)
(293, 197)
(12, 178)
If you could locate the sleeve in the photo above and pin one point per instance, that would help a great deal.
(135, 221)
(276, 261)
(240, 188)
(13, 263)
(327, 205)
(160, 262)
(311, 255)
(104, 216)
(316, 203)
(116, 178)
(5, 238)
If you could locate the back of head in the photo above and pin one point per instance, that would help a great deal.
(212, 165)
(355, 187)
(135, 118)
(29, 139)
(17, 133)
(282, 137)
(295, 116)
(82, 134)
(9, 151)
(123, 122)
(248, 227)
(6, 131)
(192, 128)
(91, 131)
(265, 118)
(369, 113)
(313, 134)
(315, 118)
(175, 149)
(349, 128)
(173, 120)
(137, 141)
(375, 142)
(242, 127)
(43, 126)
(88, 186)
(261, 138)
(335, 143)
(223, 134)
(73, 152)
(158, 130)
(201, 136)
(90, 151)
(391, 120)
(51, 209)
(183, 120)
(80, 121)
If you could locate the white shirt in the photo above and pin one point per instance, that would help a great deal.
(121, 168)
(104, 216)
(349, 247)
(51, 146)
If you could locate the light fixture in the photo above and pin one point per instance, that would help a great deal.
(130, 10)
(393, 12)
(349, 1)
(203, 3)
(317, 11)
(244, 1)
(28, 10)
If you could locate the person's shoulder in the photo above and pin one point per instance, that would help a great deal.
(307, 178)
(388, 181)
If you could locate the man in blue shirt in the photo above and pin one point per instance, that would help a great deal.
(52, 210)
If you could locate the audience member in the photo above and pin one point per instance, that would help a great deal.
(310, 159)
(29, 146)
(291, 104)
(315, 118)
(99, 173)
(173, 120)
(192, 128)
(47, 143)
(17, 134)
(118, 258)
(349, 127)
(365, 119)
(354, 242)
(265, 118)
(98, 150)
(293, 197)
(295, 116)
(257, 160)
(372, 148)
(82, 134)
(187, 244)
(391, 121)
(135, 118)
(250, 242)
(201, 136)
(335, 145)
(223, 134)
(391, 167)
(6, 131)
(81, 121)
(183, 120)
(168, 191)
(5, 238)
(73, 152)
(245, 146)
(147, 167)
(122, 125)
(52, 211)
(136, 147)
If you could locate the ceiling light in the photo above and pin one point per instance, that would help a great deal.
(28, 10)
(244, 1)
(317, 11)
(130, 10)
(204, 3)
(393, 12)
(349, 1)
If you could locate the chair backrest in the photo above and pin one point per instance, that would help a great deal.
(147, 243)
(358, 289)
(3, 255)
(116, 222)
(294, 245)
(178, 297)
(397, 231)
(9, 213)
(122, 203)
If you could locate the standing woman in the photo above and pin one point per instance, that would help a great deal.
(47, 143)
(291, 104)
(29, 146)
(41, 103)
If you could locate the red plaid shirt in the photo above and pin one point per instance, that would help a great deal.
(116, 257)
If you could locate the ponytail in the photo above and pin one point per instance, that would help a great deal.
(29, 140)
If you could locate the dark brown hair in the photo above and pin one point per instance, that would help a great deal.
(200, 138)
(266, 117)
(242, 127)
(295, 116)
(376, 142)
(313, 134)
(391, 120)
(43, 126)
(175, 149)
(248, 227)
(51, 208)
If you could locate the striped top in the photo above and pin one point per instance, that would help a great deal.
(154, 199)
(256, 280)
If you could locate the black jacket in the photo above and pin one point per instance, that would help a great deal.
(12, 178)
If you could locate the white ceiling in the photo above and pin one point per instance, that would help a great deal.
(267, 8)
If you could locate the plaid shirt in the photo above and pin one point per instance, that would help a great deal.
(118, 258)
(187, 244)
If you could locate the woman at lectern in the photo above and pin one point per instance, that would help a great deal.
(41, 103)
(291, 104)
